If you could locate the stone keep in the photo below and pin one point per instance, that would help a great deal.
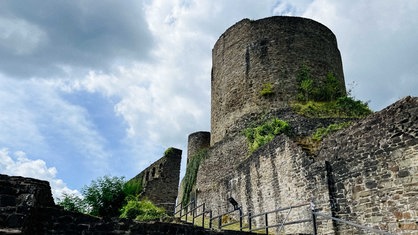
(251, 54)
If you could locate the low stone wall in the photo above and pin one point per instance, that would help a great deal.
(27, 207)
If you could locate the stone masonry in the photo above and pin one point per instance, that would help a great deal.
(367, 174)
(251, 54)
(161, 179)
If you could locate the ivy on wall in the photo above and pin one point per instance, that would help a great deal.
(191, 173)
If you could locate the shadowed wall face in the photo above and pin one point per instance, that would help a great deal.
(270, 51)
(161, 179)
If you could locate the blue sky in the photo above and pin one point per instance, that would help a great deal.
(89, 88)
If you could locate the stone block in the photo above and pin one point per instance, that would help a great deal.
(7, 200)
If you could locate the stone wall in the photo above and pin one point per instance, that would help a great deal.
(251, 54)
(374, 165)
(27, 207)
(160, 180)
(366, 174)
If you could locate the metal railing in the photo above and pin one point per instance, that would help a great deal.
(191, 209)
(369, 229)
(281, 224)
(221, 216)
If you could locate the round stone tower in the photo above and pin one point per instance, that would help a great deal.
(267, 54)
(197, 141)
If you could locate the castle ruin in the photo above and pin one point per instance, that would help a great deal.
(366, 173)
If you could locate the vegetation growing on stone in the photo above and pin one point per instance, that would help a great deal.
(133, 187)
(311, 143)
(322, 132)
(310, 89)
(142, 210)
(343, 107)
(267, 90)
(326, 100)
(264, 133)
(191, 173)
(168, 151)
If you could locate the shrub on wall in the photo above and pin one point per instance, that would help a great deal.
(267, 90)
(326, 99)
(264, 133)
(168, 151)
(343, 107)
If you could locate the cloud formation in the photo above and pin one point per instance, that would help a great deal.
(59, 38)
(17, 164)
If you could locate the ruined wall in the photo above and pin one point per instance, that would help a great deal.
(374, 165)
(366, 174)
(251, 54)
(161, 179)
(274, 176)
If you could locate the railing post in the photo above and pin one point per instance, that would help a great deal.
(203, 215)
(181, 209)
(210, 219)
(315, 228)
(187, 211)
(267, 223)
(240, 219)
(219, 222)
(249, 221)
(193, 214)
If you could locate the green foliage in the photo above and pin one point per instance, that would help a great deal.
(306, 89)
(104, 196)
(343, 107)
(168, 151)
(267, 90)
(261, 135)
(133, 187)
(331, 89)
(142, 210)
(320, 133)
(311, 90)
(72, 202)
(191, 173)
(352, 107)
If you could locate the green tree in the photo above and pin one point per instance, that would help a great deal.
(142, 210)
(105, 196)
(72, 202)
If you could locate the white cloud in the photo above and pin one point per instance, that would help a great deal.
(18, 164)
